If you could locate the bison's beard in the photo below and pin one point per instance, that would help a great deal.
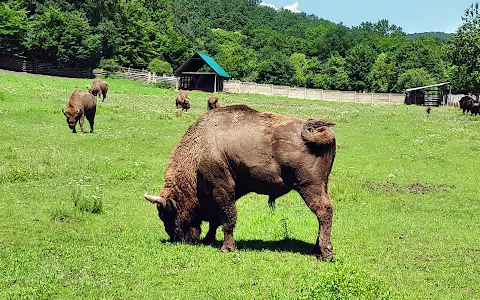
(189, 235)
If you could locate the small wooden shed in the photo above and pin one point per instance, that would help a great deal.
(190, 77)
(429, 95)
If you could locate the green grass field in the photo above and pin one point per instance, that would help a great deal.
(74, 224)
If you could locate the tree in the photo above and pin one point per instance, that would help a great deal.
(465, 52)
(413, 78)
(232, 53)
(13, 21)
(359, 61)
(382, 76)
(275, 69)
(333, 75)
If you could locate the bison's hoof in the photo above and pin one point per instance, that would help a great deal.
(227, 248)
(324, 253)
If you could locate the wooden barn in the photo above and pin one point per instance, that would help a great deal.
(430, 95)
(210, 79)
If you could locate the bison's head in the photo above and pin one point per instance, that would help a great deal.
(186, 104)
(177, 224)
(72, 117)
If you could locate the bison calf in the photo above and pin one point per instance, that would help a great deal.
(254, 151)
(80, 106)
(212, 103)
(99, 87)
(182, 101)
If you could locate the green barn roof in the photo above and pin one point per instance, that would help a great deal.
(197, 61)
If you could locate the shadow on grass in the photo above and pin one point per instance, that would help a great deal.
(285, 245)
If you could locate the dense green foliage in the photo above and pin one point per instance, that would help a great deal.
(465, 51)
(74, 224)
(250, 41)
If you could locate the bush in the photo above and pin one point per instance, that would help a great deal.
(163, 85)
(160, 67)
(110, 65)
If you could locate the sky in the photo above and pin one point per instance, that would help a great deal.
(411, 15)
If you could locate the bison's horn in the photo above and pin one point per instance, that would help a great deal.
(154, 199)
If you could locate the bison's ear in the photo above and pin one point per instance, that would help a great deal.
(63, 111)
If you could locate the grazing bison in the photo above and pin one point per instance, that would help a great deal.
(212, 103)
(99, 86)
(80, 106)
(254, 151)
(182, 101)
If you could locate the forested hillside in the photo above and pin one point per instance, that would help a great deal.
(251, 42)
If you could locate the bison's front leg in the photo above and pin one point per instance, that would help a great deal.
(81, 121)
(229, 220)
(318, 200)
(228, 214)
(209, 239)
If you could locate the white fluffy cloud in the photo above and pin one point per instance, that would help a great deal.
(267, 5)
(293, 7)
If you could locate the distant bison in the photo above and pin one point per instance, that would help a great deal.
(182, 101)
(254, 151)
(99, 87)
(466, 103)
(80, 106)
(475, 108)
(212, 103)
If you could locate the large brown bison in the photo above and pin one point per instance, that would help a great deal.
(99, 87)
(80, 106)
(254, 151)
(181, 101)
(212, 103)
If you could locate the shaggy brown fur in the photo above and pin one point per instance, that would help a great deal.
(99, 86)
(212, 103)
(80, 106)
(254, 151)
(182, 101)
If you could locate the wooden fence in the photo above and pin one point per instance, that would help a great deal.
(313, 94)
(13, 63)
(137, 74)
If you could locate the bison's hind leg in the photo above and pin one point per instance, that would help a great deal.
(318, 200)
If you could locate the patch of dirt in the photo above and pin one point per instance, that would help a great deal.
(414, 188)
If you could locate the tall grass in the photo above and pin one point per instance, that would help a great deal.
(73, 223)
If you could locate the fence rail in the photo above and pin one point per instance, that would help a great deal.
(13, 63)
(313, 94)
(137, 74)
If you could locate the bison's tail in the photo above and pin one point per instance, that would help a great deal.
(318, 132)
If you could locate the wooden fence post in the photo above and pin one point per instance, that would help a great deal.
(338, 96)
(355, 96)
(305, 93)
(372, 97)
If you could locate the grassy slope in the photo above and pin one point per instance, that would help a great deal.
(388, 241)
